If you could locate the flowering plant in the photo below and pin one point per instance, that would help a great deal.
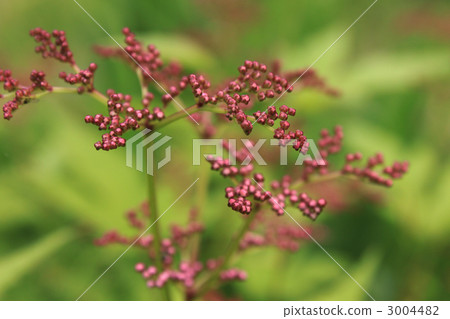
(175, 260)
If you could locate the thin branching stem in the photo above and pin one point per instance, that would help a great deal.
(154, 215)
(231, 250)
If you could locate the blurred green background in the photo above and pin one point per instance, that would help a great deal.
(392, 68)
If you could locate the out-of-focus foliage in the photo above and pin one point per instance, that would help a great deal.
(392, 69)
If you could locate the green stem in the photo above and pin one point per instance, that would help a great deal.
(76, 68)
(64, 90)
(319, 179)
(140, 76)
(153, 205)
(182, 114)
(99, 97)
(231, 250)
(234, 244)
(61, 90)
(202, 190)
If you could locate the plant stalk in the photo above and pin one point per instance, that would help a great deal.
(231, 250)
(64, 90)
(202, 191)
(153, 205)
(182, 114)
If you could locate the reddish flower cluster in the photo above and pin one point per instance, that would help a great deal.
(123, 117)
(243, 196)
(271, 115)
(199, 87)
(252, 240)
(226, 169)
(185, 274)
(147, 57)
(53, 45)
(238, 197)
(182, 235)
(186, 271)
(233, 274)
(285, 237)
(114, 237)
(22, 94)
(270, 230)
(85, 78)
(248, 196)
(9, 83)
(282, 132)
(310, 207)
(254, 83)
(395, 171)
(328, 144)
(38, 81)
(147, 61)
(288, 237)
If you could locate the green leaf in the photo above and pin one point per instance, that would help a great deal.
(390, 72)
(177, 48)
(15, 265)
(181, 49)
(345, 288)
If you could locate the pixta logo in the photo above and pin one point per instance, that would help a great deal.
(143, 145)
(149, 144)
(253, 148)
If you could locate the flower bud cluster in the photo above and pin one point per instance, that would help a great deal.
(328, 144)
(53, 45)
(233, 274)
(252, 240)
(9, 83)
(123, 117)
(255, 83)
(396, 171)
(226, 169)
(282, 133)
(147, 57)
(134, 220)
(269, 230)
(22, 94)
(289, 237)
(309, 78)
(111, 237)
(147, 62)
(253, 80)
(185, 274)
(309, 207)
(84, 78)
(240, 197)
(181, 235)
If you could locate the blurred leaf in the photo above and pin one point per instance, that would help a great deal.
(15, 265)
(14, 206)
(417, 202)
(345, 288)
(389, 72)
(178, 48)
(360, 76)
(308, 51)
